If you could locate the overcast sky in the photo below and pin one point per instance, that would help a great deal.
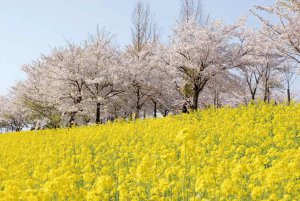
(29, 28)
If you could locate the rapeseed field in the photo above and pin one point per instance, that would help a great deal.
(245, 153)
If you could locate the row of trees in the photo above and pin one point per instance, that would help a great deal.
(206, 62)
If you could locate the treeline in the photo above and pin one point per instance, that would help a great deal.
(206, 62)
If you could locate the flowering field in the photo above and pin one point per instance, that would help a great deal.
(247, 153)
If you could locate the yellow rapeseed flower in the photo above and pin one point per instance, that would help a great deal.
(244, 153)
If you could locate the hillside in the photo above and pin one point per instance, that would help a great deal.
(245, 153)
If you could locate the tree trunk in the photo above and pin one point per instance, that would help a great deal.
(289, 95)
(266, 92)
(155, 109)
(194, 105)
(268, 95)
(253, 96)
(138, 107)
(72, 119)
(216, 99)
(137, 112)
(165, 113)
(98, 113)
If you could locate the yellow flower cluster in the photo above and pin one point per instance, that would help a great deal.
(244, 153)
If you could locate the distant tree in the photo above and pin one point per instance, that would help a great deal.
(144, 29)
(289, 71)
(191, 10)
(12, 115)
(225, 88)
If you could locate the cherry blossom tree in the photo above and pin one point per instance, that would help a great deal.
(102, 62)
(136, 58)
(37, 94)
(12, 115)
(261, 69)
(66, 70)
(285, 31)
(137, 78)
(225, 88)
(201, 52)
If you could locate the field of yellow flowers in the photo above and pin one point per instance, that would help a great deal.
(245, 153)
